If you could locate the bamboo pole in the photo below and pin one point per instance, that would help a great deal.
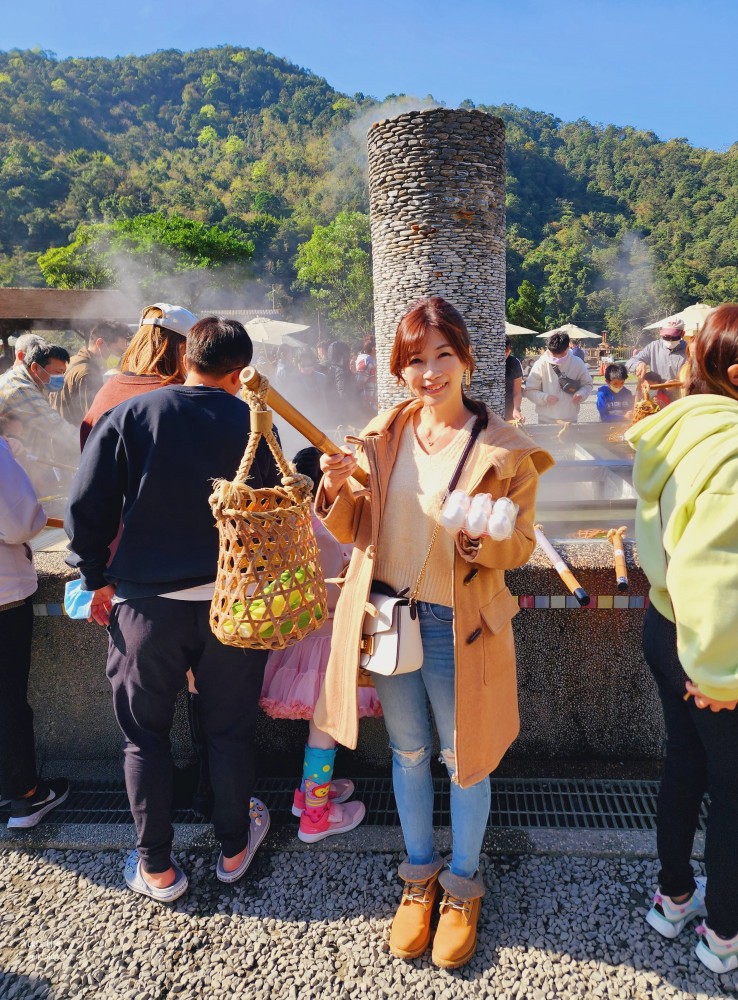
(251, 378)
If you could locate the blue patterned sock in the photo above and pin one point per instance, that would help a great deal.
(317, 771)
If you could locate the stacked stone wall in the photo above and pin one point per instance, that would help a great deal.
(437, 202)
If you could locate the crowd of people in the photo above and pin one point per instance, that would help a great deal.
(155, 435)
(336, 385)
(559, 380)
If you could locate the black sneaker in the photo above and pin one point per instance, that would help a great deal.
(25, 813)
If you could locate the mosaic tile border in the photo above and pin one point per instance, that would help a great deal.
(534, 602)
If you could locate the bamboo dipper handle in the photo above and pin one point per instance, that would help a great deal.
(251, 378)
(615, 536)
(561, 568)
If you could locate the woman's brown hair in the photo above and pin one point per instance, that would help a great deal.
(714, 350)
(156, 351)
(424, 315)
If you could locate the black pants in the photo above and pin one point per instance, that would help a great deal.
(17, 752)
(153, 640)
(701, 755)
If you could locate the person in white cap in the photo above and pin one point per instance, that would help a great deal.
(154, 358)
(664, 356)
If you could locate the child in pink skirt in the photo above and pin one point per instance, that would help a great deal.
(292, 684)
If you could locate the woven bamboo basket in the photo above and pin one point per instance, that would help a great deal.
(269, 589)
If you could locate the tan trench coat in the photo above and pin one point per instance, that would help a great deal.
(504, 463)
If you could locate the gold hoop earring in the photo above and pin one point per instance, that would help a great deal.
(467, 377)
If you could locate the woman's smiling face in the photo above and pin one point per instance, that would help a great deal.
(434, 373)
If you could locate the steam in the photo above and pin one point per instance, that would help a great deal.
(346, 185)
(154, 278)
(390, 108)
(632, 279)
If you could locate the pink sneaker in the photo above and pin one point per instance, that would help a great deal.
(341, 791)
(317, 824)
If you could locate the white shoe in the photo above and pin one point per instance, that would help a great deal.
(718, 954)
(669, 918)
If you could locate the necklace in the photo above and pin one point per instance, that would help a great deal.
(430, 440)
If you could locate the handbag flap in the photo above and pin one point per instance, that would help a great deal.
(385, 606)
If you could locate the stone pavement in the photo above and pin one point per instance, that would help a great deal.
(315, 923)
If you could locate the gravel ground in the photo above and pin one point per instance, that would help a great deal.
(551, 927)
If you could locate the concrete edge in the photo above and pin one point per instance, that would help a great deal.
(372, 839)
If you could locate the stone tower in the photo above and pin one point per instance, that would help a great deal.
(437, 202)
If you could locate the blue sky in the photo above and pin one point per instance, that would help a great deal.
(668, 66)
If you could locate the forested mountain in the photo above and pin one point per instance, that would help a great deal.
(607, 226)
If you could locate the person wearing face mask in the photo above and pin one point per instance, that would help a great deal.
(664, 356)
(84, 377)
(558, 382)
(23, 344)
(614, 401)
(24, 395)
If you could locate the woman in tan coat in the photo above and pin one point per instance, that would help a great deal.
(465, 611)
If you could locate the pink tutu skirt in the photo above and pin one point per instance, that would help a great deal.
(293, 679)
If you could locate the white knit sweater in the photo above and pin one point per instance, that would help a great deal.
(413, 505)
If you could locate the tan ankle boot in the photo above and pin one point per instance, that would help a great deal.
(410, 934)
(456, 935)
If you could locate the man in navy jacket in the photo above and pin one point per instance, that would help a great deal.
(150, 463)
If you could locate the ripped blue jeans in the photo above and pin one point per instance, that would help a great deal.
(405, 703)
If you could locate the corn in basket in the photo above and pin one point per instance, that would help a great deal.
(269, 589)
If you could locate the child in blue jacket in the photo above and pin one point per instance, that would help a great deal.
(614, 401)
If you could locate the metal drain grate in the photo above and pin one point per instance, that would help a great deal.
(517, 803)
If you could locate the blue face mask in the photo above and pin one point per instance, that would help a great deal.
(55, 383)
(77, 602)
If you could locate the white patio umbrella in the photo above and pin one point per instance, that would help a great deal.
(575, 332)
(693, 317)
(511, 330)
(274, 331)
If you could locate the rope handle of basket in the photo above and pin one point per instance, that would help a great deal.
(262, 426)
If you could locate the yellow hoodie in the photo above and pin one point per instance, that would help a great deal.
(686, 476)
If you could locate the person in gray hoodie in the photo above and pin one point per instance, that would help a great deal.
(558, 382)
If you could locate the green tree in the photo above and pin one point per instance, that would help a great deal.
(82, 263)
(335, 266)
(526, 310)
(156, 247)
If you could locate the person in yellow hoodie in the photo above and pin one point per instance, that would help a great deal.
(686, 476)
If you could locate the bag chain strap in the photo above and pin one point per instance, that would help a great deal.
(413, 597)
